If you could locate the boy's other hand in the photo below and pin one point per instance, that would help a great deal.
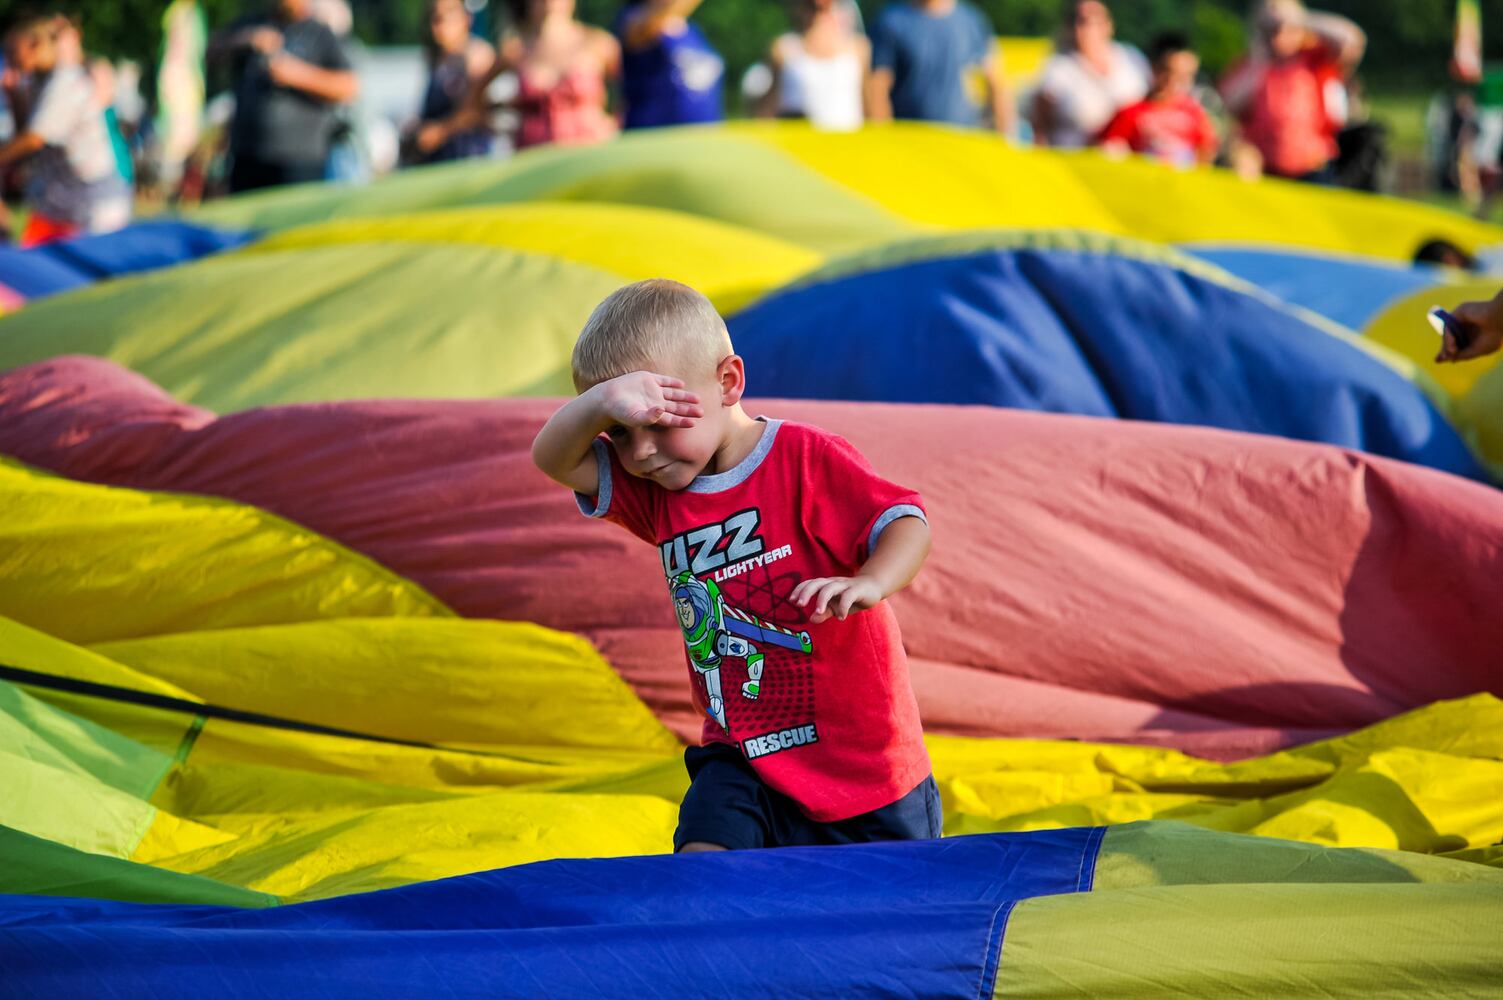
(646, 399)
(837, 596)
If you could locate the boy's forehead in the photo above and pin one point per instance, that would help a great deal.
(685, 370)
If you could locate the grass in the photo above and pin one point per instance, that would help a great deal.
(1404, 113)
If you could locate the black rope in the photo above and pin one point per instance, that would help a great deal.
(114, 692)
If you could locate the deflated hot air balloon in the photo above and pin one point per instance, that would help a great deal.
(309, 681)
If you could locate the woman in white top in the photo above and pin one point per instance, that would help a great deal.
(1087, 80)
(819, 73)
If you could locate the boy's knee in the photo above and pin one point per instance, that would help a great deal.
(699, 846)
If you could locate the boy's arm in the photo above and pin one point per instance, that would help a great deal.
(892, 565)
(564, 448)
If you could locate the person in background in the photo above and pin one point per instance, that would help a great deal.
(1088, 80)
(1289, 95)
(561, 67)
(1169, 124)
(290, 73)
(349, 157)
(180, 94)
(74, 186)
(670, 74)
(924, 53)
(70, 52)
(458, 62)
(1444, 253)
(819, 72)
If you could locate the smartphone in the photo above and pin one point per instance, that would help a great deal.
(1441, 321)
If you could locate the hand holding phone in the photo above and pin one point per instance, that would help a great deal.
(1471, 330)
(1444, 322)
(1455, 334)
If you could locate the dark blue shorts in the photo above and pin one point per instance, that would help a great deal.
(727, 804)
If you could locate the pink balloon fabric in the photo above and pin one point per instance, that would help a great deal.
(1223, 593)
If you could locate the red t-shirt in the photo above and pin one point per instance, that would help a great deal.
(1296, 108)
(825, 713)
(1175, 130)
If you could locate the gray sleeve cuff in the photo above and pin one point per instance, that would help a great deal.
(597, 505)
(890, 515)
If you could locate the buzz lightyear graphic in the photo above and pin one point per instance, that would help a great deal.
(712, 631)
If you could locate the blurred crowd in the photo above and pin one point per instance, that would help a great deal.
(79, 136)
(66, 159)
(1282, 110)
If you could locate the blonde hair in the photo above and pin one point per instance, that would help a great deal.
(646, 325)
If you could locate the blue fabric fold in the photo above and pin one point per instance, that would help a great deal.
(1088, 333)
(915, 919)
(143, 246)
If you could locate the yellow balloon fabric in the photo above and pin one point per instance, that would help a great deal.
(711, 172)
(1309, 921)
(954, 178)
(456, 682)
(841, 192)
(91, 563)
(458, 304)
(729, 264)
(1481, 409)
(547, 753)
(1315, 940)
(330, 322)
(947, 178)
(1425, 781)
(1169, 853)
(306, 814)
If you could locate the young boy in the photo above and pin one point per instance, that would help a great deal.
(779, 545)
(1169, 124)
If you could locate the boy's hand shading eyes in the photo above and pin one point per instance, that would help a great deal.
(645, 399)
(837, 596)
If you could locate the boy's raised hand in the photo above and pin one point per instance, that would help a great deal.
(837, 595)
(646, 399)
(563, 449)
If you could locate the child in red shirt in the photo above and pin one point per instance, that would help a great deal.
(1169, 124)
(779, 546)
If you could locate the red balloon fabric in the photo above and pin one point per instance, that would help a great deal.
(1223, 593)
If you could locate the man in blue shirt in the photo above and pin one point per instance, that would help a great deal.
(922, 53)
(670, 74)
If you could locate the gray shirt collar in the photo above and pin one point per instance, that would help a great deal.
(743, 469)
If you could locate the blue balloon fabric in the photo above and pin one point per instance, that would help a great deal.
(915, 918)
(1347, 290)
(144, 246)
(1097, 334)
